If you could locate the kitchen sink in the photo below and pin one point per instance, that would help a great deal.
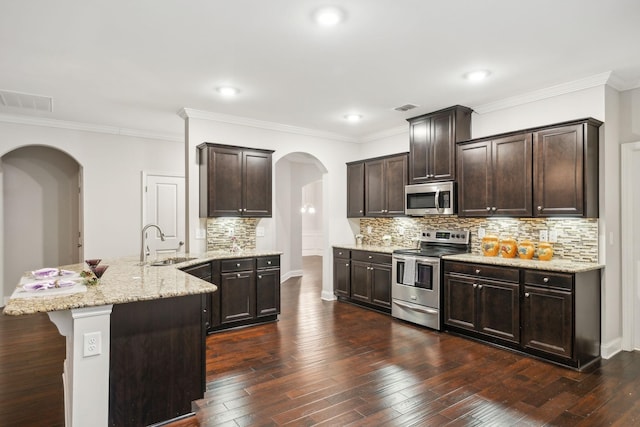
(170, 261)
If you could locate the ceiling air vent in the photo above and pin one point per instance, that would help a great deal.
(405, 107)
(26, 100)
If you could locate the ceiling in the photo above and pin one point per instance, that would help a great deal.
(135, 64)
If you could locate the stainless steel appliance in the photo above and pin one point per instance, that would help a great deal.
(436, 198)
(416, 294)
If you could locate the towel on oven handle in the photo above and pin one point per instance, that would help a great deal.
(409, 276)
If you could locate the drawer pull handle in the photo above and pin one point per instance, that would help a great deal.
(479, 286)
(260, 276)
(478, 271)
(238, 275)
(238, 265)
(269, 262)
(370, 256)
(539, 208)
(475, 285)
(545, 280)
(526, 294)
(346, 265)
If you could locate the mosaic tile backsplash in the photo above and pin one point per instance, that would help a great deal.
(244, 233)
(577, 237)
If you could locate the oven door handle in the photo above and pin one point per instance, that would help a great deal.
(415, 308)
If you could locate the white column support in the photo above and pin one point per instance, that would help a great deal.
(86, 367)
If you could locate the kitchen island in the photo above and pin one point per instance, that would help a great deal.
(135, 342)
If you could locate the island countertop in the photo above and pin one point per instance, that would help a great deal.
(559, 265)
(126, 281)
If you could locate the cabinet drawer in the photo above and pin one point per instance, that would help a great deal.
(237, 264)
(483, 270)
(341, 253)
(268, 262)
(548, 279)
(375, 257)
(202, 271)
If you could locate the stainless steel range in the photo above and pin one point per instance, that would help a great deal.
(416, 288)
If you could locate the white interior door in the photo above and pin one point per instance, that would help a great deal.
(164, 205)
(630, 202)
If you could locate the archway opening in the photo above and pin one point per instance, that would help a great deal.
(40, 211)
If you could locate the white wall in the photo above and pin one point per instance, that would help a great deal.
(330, 153)
(112, 166)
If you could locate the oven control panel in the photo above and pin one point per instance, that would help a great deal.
(446, 236)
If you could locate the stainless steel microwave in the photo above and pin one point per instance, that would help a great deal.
(438, 198)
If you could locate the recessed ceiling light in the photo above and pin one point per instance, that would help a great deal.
(353, 117)
(476, 76)
(228, 91)
(328, 16)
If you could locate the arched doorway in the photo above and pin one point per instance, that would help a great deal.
(40, 211)
(297, 174)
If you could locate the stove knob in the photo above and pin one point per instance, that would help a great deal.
(427, 234)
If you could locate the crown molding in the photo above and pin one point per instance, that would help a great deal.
(537, 95)
(190, 113)
(88, 127)
(387, 133)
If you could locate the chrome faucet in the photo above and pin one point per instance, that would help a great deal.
(144, 249)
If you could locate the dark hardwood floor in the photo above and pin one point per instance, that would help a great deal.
(334, 364)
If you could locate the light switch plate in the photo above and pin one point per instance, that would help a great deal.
(481, 232)
(544, 236)
(259, 231)
(553, 236)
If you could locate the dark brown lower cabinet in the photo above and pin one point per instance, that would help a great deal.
(341, 273)
(267, 292)
(551, 315)
(364, 278)
(237, 296)
(157, 359)
(486, 306)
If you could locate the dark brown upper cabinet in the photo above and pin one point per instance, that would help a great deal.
(234, 181)
(539, 172)
(355, 189)
(494, 176)
(565, 167)
(432, 142)
(384, 181)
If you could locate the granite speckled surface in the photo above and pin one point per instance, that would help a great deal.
(559, 265)
(127, 281)
(371, 248)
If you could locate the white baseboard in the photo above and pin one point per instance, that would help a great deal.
(327, 296)
(288, 275)
(610, 349)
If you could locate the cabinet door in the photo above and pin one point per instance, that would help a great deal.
(237, 296)
(499, 310)
(341, 277)
(256, 184)
(558, 170)
(381, 285)
(224, 177)
(512, 179)
(419, 148)
(548, 320)
(360, 281)
(355, 190)
(475, 189)
(460, 302)
(268, 292)
(375, 188)
(395, 180)
(442, 163)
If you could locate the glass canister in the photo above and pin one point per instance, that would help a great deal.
(490, 246)
(526, 249)
(545, 251)
(508, 247)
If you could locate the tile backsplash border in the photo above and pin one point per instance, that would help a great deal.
(577, 237)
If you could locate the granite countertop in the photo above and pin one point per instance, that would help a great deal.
(560, 265)
(127, 281)
(370, 248)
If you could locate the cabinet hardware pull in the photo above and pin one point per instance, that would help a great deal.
(545, 280)
(346, 265)
(488, 208)
(269, 262)
(479, 286)
(493, 208)
(360, 211)
(539, 208)
(260, 276)
(475, 285)
(526, 294)
(478, 271)
(240, 210)
(238, 275)
(238, 265)
(370, 256)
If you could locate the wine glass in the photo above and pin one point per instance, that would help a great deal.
(92, 263)
(99, 270)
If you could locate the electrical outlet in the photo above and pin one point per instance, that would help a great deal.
(544, 236)
(369, 229)
(92, 344)
(401, 231)
(481, 232)
(230, 231)
(553, 236)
